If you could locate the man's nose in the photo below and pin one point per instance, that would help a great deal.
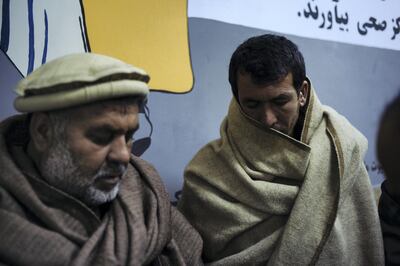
(119, 151)
(269, 117)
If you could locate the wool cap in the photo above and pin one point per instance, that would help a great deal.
(78, 79)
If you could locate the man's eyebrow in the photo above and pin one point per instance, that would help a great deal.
(112, 129)
(284, 95)
(251, 100)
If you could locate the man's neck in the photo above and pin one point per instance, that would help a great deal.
(298, 128)
(101, 209)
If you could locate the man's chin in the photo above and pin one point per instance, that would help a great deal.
(107, 183)
(96, 196)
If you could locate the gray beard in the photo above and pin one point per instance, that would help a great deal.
(60, 170)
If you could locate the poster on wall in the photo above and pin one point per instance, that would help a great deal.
(374, 23)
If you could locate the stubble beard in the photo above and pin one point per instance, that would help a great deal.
(60, 170)
(290, 130)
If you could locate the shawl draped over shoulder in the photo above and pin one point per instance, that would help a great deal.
(41, 225)
(259, 197)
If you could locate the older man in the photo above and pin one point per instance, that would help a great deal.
(71, 192)
(285, 184)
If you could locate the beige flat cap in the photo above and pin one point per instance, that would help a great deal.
(78, 79)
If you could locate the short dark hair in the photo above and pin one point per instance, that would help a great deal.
(268, 59)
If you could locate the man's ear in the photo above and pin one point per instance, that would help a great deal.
(40, 131)
(303, 93)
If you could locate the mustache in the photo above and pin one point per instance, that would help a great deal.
(111, 170)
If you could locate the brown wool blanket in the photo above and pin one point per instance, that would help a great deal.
(41, 225)
(259, 197)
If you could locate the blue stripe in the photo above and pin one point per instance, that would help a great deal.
(31, 55)
(83, 35)
(5, 26)
(46, 37)
(82, 22)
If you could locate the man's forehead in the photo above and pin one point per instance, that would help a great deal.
(103, 111)
(123, 106)
(248, 87)
(261, 81)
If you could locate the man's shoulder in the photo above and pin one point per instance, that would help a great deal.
(145, 169)
(139, 162)
(208, 151)
(350, 144)
(346, 132)
(143, 175)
